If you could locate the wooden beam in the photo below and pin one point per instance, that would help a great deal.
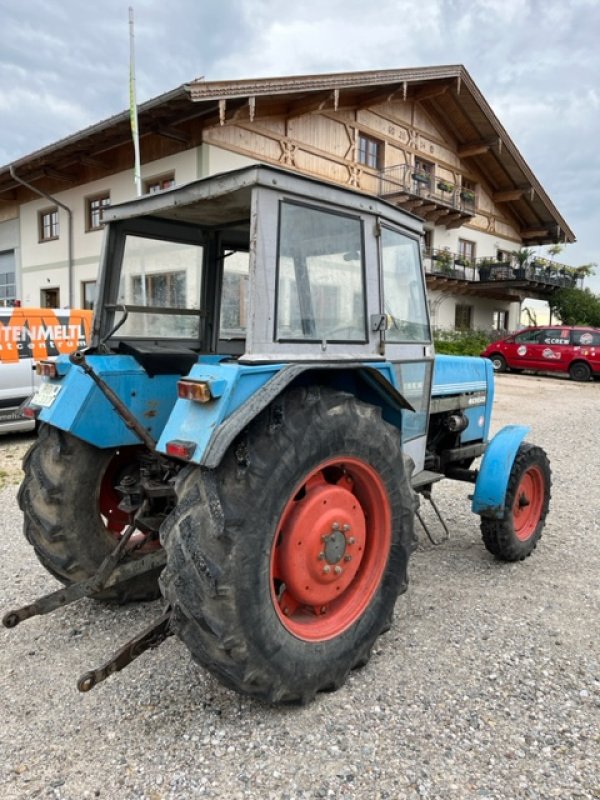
(169, 133)
(57, 175)
(410, 204)
(314, 103)
(428, 92)
(432, 216)
(88, 161)
(534, 233)
(509, 195)
(475, 149)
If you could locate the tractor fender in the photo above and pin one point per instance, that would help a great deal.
(245, 391)
(494, 472)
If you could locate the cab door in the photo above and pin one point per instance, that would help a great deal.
(407, 334)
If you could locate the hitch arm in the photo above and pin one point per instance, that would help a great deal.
(150, 637)
(103, 579)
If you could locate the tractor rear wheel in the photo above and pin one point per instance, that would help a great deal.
(71, 514)
(284, 563)
(515, 536)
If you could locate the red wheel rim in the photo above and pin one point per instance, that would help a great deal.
(330, 549)
(529, 500)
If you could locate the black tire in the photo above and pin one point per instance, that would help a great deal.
(515, 536)
(498, 362)
(224, 536)
(580, 371)
(59, 498)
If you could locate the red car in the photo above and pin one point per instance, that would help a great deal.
(555, 348)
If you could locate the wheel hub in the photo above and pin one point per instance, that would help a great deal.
(323, 544)
(335, 544)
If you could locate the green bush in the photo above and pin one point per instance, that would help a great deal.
(462, 343)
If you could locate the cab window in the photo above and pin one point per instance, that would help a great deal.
(403, 289)
(320, 285)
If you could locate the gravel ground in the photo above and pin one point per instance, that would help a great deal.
(487, 685)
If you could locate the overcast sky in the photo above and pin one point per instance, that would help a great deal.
(64, 65)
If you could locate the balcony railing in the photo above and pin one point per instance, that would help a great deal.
(403, 179)
(445, 263)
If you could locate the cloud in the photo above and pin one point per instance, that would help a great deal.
(65, 65)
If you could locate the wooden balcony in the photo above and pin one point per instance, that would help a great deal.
(500, 280)
(433, 199)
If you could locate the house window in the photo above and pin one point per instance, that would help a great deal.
(503, 255)
(427, 243)
(48, 224)
(463, 318)
(370, 151)
(466, 250)
(7, 278)
(94, 209)
(500, 320)
(88, 294)
(153, 185)
(423, 173)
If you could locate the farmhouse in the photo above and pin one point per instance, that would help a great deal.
(423, 139)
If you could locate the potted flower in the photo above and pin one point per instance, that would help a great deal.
(467, 195)
(421, 177)
(445, 186)
(522, 257)
(584, 271)
(485, 268)
(444, 259)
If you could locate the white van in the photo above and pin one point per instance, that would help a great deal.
(26, 336)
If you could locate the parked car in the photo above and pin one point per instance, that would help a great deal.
(554, 348)
(26, 336)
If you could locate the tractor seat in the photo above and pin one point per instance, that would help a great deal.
(160, 359)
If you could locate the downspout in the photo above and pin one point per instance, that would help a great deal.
(49, 197)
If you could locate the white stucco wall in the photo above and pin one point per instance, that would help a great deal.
(442, 309)
(44, 264)
(486, 244)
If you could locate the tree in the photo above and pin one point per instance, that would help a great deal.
(576, 307)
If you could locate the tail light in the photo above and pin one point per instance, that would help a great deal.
(178, 448)
(46, 368)
(199, 391)
(29, 412)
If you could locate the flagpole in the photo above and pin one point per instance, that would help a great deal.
(133, 115)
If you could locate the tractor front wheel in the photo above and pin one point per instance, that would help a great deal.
(284, 563)
(515, 536)
(71, 513)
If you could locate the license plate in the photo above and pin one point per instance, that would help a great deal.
(45, 395)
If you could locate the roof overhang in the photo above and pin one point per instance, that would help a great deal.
(446, 93)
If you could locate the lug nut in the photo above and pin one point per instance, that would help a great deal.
(335, 526)
(321, 556)
(347, 558)
(351, 540)
(326, 569)
(346, 527)
(338, 570)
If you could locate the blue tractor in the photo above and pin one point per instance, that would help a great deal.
(251, 429)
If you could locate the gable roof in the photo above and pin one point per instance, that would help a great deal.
(448, 94)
